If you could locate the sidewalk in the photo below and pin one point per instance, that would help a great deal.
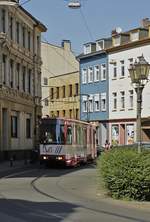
(11, 165)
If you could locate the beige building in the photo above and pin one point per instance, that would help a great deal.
(60, 81)
(20, 79)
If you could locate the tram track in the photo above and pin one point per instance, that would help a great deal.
(84, 201)
(79, 200)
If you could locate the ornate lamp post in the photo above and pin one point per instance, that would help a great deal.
(139, 72)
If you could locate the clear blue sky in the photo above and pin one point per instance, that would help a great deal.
(101, 17)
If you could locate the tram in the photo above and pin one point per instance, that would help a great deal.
(67, 141)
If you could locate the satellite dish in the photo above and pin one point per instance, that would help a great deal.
(74, 4)
(118, 30)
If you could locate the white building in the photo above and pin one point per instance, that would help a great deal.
(127, 47)
(20, 79)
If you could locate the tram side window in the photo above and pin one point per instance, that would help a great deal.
(84, 136)
(69, 135)
(79, 135)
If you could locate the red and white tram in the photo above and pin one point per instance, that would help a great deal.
(67, 141)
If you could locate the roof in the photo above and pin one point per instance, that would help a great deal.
(41, 26)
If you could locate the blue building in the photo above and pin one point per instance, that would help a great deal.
(94, 87)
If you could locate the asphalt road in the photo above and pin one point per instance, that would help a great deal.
(69, 195)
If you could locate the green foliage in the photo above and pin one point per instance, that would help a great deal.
(125, 173)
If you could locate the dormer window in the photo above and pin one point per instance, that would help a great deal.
(87, 48)
(117, 41)
(134, 36)
(99, 45)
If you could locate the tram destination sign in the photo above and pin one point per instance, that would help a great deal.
(51, 149)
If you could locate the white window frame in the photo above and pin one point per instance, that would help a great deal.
(84, 76)
(122, 73)
(96, 102)
(90, 74)
(96, 73)
(115, 71)
(103, 72)
(84, 104)
(103, 102)
(114, 96)
(87, 49)
(90, 105)
(131, 99)
(122, 100)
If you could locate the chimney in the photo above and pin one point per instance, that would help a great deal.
(145, 23)
(66, 44)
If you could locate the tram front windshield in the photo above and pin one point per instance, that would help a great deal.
(52, 132)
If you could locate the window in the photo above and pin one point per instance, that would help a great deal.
(17, 74)
(70, 113)
(100, 45)
(45, 81)
(52, 93)
(28, 128)
(134, 36)
(77, 113)
(11, 73)
(103, 102)
(46, 102)
(84, 76)
(69, 135)
(57, 92)
(114, 71)
(24, 78)
(17, 32)
(29, 80)
(122, 100)
(76, 89)
(70, 90)
(114, 95)
(130, 99)
(96, 102)
(90, 105)
(96, 73)
(29, 40)
(64, 113)
(38, 44)
(11, 27)
(4, 57)
(117, 41)
(84, 102)
(14, 126)
(87, 49)
(103, 72)
(64, 91)
(3, 21)
(23, 37)
(90, 74)
(57, 113)
(122, 69)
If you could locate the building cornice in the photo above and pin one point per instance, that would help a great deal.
(129, 45)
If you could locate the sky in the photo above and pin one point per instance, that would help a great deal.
(94, 20)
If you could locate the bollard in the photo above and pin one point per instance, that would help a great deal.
(11, 161)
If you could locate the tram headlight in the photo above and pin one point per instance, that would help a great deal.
(44, 158)
(59, 158)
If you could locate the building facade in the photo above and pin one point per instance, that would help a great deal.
(126, 49)
(20, 80)
(60, 81)
(94, 103)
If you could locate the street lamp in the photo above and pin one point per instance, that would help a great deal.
(139, 72)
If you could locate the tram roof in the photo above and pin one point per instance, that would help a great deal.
(67, 119)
